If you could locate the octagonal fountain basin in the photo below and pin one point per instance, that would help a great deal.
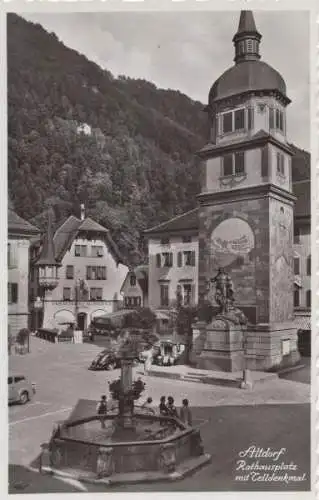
(154, 448)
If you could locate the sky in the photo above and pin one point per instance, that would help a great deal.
(188, 51)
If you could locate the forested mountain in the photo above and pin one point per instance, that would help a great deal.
(133, 165)
(133, 168)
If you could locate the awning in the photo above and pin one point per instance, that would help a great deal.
(64, 318)
(116, 314)
(160, 315)
(302, 322)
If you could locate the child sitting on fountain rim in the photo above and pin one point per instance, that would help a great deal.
(147, 405)
(101, 410)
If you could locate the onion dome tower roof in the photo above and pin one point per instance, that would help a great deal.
(249, 73)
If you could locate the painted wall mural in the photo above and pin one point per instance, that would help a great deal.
(231, 239)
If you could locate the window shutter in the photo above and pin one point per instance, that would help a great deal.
(308, 298)
(158, 260)
(14, 293)
(264, 161)
(88, 272)
(193, 258)
(309, 265)
(9, 294)
(193, 295)
(170, 260)
(179, 259)
(239, 162)
(227, 165)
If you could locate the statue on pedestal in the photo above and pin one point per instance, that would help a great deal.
(224, 297)
(224, 294)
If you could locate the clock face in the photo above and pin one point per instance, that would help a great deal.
(231, 239)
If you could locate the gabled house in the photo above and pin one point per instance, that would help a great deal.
(135, 288)
(90, 275)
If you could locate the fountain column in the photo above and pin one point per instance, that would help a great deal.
(126, 402)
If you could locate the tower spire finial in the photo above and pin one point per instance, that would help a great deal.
(247, 38)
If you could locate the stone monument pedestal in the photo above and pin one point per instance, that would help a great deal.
(223, 346)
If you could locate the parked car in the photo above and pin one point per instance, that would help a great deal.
(170, 353)
(106, 360)
(20, 390)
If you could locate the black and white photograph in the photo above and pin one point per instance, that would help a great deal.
(159, 271)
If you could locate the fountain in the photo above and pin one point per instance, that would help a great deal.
(132, 446)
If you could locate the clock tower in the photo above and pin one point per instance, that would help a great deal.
(246, 205)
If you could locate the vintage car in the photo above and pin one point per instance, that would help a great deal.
(170, 353)
(20, 390)
(106, 360)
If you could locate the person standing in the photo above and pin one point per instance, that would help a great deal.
(185, 413)
(162, 407)
(101, 410)
(171, 408)
(148, 362)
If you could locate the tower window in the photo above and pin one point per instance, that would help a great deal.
(234, 164)
(250, 47)
(239, 119)
(235, 120)
(276, 119)
(227, 122)
(280, 164)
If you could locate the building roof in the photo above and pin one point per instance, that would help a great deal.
(246, 23)
(65, 235)
(302, 191)
(69, 230)
(247, 77)
(90, 225)
(141, 273)
(249, 73)
(185, 221)
(18, 225)
(47, 255)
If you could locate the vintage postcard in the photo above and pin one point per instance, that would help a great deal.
(160, 262)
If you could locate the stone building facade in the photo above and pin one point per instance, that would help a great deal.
(20, 233)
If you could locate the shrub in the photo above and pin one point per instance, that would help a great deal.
(22, 336)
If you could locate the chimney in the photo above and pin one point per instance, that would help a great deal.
(82, 211)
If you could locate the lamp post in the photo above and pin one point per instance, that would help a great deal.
(38, 305)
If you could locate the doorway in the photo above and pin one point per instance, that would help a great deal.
(82, 321)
